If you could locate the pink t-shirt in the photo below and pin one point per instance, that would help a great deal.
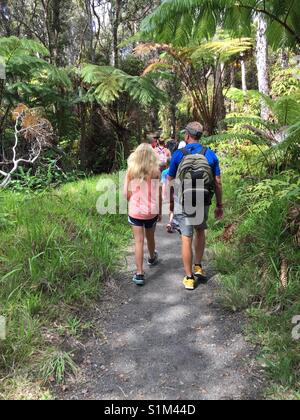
(143, 198)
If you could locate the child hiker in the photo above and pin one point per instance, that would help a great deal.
(143, 192)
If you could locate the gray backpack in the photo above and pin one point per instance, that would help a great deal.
(195, 167)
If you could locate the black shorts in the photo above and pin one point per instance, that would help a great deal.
(147, 224)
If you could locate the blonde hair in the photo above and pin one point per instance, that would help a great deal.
(143, 163)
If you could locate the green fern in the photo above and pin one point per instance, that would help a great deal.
(24, 66)
(13, 47)
(22, 57)
(235, 136)
(223, 48)
(281, 138)
(56, 76)
(108, 83)
(253, 121)
(168, 23)
(286, 109)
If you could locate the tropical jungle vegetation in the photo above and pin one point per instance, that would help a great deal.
(82, 82)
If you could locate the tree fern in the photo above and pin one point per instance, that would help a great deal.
(223, 49)
(235, 136)
(205, 16)
(22, 56)
(286, 109)
(281, 137)
(24, 66)
(107, 84)
(57, 77)
(13, 46)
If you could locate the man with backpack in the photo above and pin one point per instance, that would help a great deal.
(195, 169)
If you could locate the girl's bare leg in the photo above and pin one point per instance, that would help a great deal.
(150, 235)
(139, 238)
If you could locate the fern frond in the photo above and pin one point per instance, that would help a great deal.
(286, 109)
(224, 49)
(158, 65)
(237, 136)
(25, 66)
(108, 83)
(254, 121)
(58, 77)
(205, 16)
(13, 47)
(239, 95)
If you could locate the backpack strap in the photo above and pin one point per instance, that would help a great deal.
(185, 152)
(203, 151)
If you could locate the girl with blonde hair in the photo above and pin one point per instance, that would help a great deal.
(143, 192)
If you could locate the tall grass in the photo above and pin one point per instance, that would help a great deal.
(55, 253)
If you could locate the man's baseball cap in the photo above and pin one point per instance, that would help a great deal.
(195, 129)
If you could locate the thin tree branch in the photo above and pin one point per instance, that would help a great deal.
(273, 17)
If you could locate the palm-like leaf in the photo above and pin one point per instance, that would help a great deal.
(157, 66)
(24, 66)
(13, 46)
(286, 109)
(108, 83)
(58, 77)
(168, 22)
(223, 49)
(279, 137)
(22, 57)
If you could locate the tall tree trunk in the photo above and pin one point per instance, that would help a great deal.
(52, 10)
(90, 31)
(232, 85)
(173, 119)
(5, 17)
(220, 109)
(56, 28)
(262, 63)
(116, 24)
(244, 73)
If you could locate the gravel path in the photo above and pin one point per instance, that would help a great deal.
(162, 342)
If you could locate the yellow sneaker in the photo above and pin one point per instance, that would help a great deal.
(189, 284)
(199, 272)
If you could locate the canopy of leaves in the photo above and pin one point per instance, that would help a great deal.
(179, 21)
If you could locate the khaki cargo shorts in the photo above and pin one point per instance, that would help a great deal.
(187, 225)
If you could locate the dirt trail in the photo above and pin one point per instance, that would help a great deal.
(162, 342)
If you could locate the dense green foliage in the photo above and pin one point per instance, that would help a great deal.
(171, 21)
(259, 237)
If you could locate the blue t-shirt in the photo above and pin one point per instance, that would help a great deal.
(194, 149)
(164, 176)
